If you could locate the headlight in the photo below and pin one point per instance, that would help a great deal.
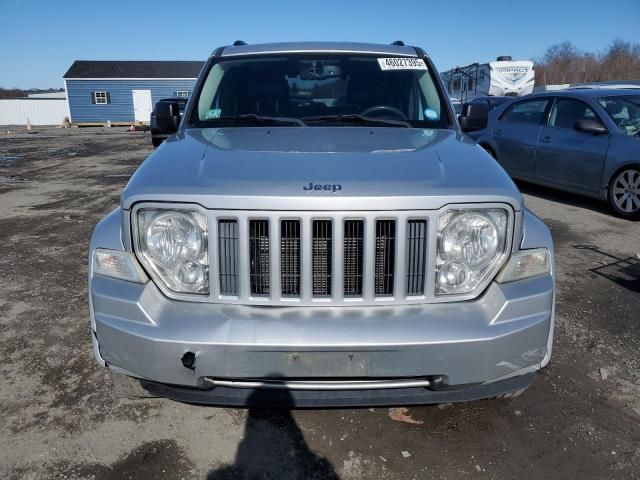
(172, 244)
(471, 243)
(172, 237)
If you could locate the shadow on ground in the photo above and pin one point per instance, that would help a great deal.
(273, 447)
(622, 271)
(566, 198)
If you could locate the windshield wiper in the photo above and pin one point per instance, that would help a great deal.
(252, 118)
(356, 119)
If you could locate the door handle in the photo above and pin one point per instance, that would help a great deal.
(497, 131)
(545, 139)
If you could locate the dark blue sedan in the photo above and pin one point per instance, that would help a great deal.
(585, 141)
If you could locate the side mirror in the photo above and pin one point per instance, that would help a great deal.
(167, 115)
(589, 125)
(474, 116)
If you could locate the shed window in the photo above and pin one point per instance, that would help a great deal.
(101, 98)
(182, 93)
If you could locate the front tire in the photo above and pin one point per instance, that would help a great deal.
(156, 142)
(624, 193)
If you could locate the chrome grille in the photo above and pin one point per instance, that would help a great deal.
(353, 257)
(290, 258)
(259, 257)
(385, 257)
(228, 256)
(321, 263)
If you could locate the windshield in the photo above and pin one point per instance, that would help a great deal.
(625, 112)
(321, 89)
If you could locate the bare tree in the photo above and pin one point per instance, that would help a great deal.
(564, 63)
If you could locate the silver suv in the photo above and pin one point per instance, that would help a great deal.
(318, 232)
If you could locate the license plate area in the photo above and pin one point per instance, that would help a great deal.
(304, 364)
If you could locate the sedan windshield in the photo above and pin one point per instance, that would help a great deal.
(625, 112)
(318, 90)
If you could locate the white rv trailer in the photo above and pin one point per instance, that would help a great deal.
(504, 77)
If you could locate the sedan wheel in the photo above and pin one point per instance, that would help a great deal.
(624, 193)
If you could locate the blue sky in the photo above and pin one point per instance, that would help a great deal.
(40, 39)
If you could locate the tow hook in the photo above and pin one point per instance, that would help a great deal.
(189, 361)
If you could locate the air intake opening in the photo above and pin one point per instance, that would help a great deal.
(228, 256)
(321, 261)
(416, 256)
(353, 257)
(385, 257)
(290, 258)
(259, 257)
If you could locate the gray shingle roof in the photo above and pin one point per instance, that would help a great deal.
(134, 69)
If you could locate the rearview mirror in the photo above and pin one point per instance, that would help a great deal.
(474, 116)
(167, 116)
(588, 125)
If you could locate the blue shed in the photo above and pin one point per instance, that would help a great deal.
(124, 91)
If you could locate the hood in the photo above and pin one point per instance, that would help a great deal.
(320, 168)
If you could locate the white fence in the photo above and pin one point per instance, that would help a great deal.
(36, 111)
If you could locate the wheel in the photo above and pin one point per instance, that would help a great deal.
(128, 387)
(156, 141)
(624, 192)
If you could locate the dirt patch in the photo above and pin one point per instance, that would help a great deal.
(158, 460)
(58, 416)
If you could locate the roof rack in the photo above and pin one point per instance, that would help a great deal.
(239, 43)
(399, 43)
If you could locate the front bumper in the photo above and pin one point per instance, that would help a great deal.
(504, 333)
(236, 397)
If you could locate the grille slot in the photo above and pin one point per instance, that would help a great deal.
(416, 256)
(290, 258)
(321, 258)
(259, 257)
(353, 257)
(385, 257)
(228, 256)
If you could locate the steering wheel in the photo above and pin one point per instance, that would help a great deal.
(384, 108)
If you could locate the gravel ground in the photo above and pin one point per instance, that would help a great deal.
(59, 419)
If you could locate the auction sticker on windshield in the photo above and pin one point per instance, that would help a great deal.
(396, 63)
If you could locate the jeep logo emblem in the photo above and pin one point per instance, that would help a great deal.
(326, 187)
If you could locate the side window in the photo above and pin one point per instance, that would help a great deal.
(566, 112)
(528, 112)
